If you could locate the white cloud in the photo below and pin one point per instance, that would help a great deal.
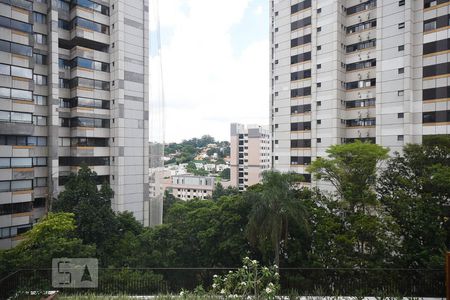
(259, 10)
(208, 86)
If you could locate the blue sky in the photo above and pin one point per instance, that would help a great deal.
(215, 57)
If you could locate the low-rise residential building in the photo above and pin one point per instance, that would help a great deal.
(250, 154)
(188, 187)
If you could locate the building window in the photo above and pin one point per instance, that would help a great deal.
(401, 48)
(319, 29)
(39, 18)
(319, 103)
(401, 3)
(319, 66)
(400, 138)
(401, 25)
(319, 122)
(401, 70)
(40, 79)
(319, 10)
(319, 84)
(400, 115)
(319, 48)
(40, 38)
(400, 93)
(319, 140)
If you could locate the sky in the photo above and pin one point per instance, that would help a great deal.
(215, 66)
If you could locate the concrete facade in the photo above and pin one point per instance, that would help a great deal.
(345, 70)
(73, 90)
(249, 154)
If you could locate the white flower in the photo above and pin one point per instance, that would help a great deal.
(243, 283)
(214, 285)
(246, 258)
(275, 266)
(268, 290)
(254, 261)
(182, 293)
(215, 276)
(222, 291)
(276, 274)
(245, 267)
(229, 272)
(266, 269)
(270, 284)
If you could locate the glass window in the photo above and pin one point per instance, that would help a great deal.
(5, 69)
(40, 100)
(21, 72)
(40, 182)
(42, 141)
(21, 162)
(40, 79)
(39, 59)
(40, 38)
(21, 49)
(5, 93)
(40, 120)
(4, 186)
(19, 185)
(21, 140)
(21, 117)
(5, 46)
(21, 94)
(4, 116)
(5, 163)
(22, 26)
(39, 18)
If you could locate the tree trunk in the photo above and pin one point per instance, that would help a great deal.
(277, 253)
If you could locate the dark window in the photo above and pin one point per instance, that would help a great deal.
(362, 26)
(360, 103)
(301, 75)
(431, 3)
(436, 116)
(300, 58)
(436, 93)
(361, 65)
(360, 122)
(361, 45)
(435, 23)
(437, 46)
(300, 126)
(300, 160)
(299, 109)
(91, 5)
(300, 23)
(300, 92)
(301, 40)
(435, 70)
(79, 161)
(300, 6)
(300, 143)
(88, 24)
(361, 7)
(360, 84)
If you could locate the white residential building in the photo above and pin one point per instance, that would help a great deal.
(346, 70)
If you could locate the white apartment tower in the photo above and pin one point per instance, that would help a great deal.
(345, 70)
(73, 91)
(249, 154)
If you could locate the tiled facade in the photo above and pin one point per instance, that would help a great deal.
(344, 70)
(73, 91)
(249, 154)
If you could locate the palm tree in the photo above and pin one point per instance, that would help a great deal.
(275, 206)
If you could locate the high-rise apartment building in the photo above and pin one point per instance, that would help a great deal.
(73, 91)
(249, 154)
(346, 70)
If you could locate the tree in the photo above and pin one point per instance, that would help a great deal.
(275, 207)
(220, 191)
(352, 170)
(52, 237)
(94, 217)
(225, 174)
(361, 233)
(415, 189)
